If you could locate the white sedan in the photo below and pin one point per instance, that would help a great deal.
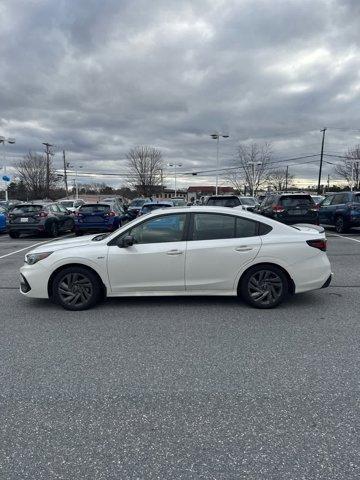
(182, 251)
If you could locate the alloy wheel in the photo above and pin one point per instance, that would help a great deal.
(75, 289)
(265, 287)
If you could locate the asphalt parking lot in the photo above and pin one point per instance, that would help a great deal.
(184, 388)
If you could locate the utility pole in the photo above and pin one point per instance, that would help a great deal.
(321, 160)
(328, 182)
(65, 175)
(286, 178)
(48, 153)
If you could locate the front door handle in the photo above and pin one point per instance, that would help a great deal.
(174, 252)
(243, 248)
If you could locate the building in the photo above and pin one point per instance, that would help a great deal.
(197, 192)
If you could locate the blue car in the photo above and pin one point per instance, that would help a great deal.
(2, 220)
(96, 217)
(340, 210)
(150, 206)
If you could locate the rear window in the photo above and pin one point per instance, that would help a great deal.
(68, 203)
(137, 203)
(247, 201)
(150, 208)
(296, 200)
(27, 209)
(223, 202)
(94, 208)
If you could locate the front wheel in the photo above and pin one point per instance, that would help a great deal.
(76, 288)
(264, 286)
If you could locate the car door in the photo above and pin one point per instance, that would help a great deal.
(156, 261)
(325, 210)
(219, 246)
(66, 217)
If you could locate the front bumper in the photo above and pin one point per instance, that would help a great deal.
(34, 281)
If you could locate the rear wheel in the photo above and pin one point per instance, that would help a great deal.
(264, 286)
(14, 234)
(76, 288)
(340, 225)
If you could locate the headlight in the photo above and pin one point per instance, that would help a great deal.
(31, 258)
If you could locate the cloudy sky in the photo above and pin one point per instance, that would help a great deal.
(97, 77)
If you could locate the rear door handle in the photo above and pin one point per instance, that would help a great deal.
(174, 252)
(243, 248)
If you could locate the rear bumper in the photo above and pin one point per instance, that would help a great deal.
(311, 274)
(32, 228)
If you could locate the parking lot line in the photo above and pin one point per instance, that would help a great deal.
(32, 245)
(347, 238)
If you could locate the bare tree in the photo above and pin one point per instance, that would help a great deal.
(253, 162)
(144, 169)
(32, 173)
(277, 179)
(349, 169)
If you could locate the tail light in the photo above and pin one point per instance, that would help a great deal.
(315, 208)
(78, 214)
(353, 206)
(278, 208)
(320, 244)
(110, 214)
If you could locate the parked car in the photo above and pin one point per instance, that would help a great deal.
(51, 219)
(185, 251)
(248, 203)
(150, 206)
(178, 201)
(136, 204)
(72, 205)
(290, 208)
(341, 210)
(317, 199)
(223, 201)
(2, 220)
(96, 217)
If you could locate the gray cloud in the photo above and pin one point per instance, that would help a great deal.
(98, 78)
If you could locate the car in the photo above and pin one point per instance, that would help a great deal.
(39, 218)
(340, 210)
(72, 205)
(317, 199)
(97, 217)
(248, 203)
(135, 206)
(3, 215)
(150, 206)
(185, 251)
(290, 208)
(223, 201)
(178, 201)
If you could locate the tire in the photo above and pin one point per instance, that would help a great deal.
(54, 230)
(340, 225)
(76, 288)
(264, 286)
(14, 234)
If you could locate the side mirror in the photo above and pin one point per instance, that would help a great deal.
(126, 241)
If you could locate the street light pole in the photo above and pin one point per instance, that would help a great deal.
(175, 165)
(4, 140)
(216, 136)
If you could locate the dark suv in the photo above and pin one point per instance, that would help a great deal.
(341, 210)
(51, 219)
(290, 208)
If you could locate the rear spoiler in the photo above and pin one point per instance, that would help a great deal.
(318, 228)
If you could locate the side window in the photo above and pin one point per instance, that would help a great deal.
(53, 209)
(338, 199)
(245, 228)
(327, 201)
(232, 202)
(62, 208)
(212, 226)
(168, 228)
